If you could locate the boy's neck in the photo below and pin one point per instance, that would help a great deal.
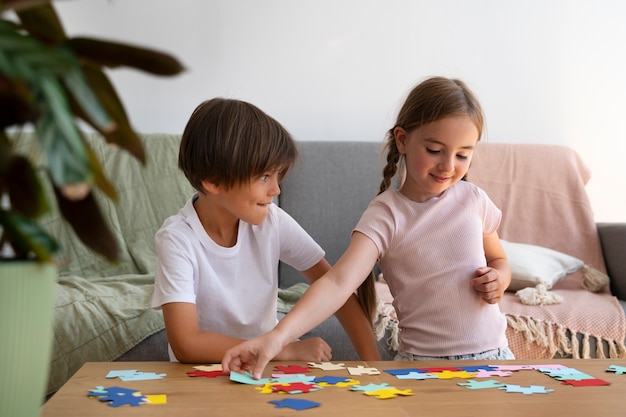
(221, 226)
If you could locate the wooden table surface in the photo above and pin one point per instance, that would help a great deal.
(200, 396)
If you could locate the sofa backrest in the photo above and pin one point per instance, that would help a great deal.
(327, 191)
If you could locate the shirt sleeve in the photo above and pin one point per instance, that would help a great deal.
(297, 247)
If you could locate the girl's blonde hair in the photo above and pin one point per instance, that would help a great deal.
(429, 101)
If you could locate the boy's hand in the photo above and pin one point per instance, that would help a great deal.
(488, 284)
(314, 349)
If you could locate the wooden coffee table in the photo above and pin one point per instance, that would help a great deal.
(195, 396)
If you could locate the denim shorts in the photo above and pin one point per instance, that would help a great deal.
(489, 355)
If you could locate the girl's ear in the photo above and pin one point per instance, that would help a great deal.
(400, 135)
(211, 187)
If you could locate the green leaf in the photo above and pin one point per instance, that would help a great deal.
(26, 237)
(66, 156)
(113, 54)
(88, 101)
(85, 218)
(123, 136)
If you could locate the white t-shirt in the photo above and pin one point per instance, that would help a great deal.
(235, 289)
(428, 252)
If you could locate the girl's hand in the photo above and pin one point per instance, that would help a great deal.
(489, 285)
(252, 355)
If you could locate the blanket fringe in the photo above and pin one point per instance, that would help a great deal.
(556, 339)
(386, 321)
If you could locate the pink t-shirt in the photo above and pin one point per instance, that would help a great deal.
(428, 252)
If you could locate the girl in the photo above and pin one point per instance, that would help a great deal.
(434, 239)
(216, 275)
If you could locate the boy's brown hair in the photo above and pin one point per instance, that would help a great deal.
(229, 142)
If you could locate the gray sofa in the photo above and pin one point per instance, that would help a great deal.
(326, 193)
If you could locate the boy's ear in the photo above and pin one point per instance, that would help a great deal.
(211, 187)
(400, 135)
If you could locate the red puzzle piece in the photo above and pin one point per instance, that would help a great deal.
(208, 374)
(295, 387)
(586, 382)
(292, 369)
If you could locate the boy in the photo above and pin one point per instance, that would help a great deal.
(217, 259)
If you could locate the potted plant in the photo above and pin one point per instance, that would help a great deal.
(48, 83)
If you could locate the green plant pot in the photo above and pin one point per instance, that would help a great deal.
(27, 291)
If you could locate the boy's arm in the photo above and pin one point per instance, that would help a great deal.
(190, 344)
(352, 318)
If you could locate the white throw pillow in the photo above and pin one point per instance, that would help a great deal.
(532, 265)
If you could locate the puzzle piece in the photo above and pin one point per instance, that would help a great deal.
(117, 396)
(287, 378)
(533, 389)
(478, 368)
(291, 369)
(328, 366)
(295, 403)
(618, 370)
(295, 388)
(453, 374)
(489, 374)
(370, 387)
(390, 392)
(122, 372)
(547, 366)
(142, 376)
(405, 371)
(330, 380)
(420, 376)
(267, 388)
(134, 375)
(97, 391)
(209, 368)
(473, 384)
(247, 378)
(361, 370)
(433, 370)
(586, 382)
(512, 367)
(156, 399)
(208, 374)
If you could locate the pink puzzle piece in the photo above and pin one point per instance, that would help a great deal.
(292, 369)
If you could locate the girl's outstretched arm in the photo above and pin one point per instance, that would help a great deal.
(325, 296)
(352, 317)
(491, 281)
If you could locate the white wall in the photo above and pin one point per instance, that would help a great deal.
(546, 71)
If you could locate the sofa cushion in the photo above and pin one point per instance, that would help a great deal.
(532, 265)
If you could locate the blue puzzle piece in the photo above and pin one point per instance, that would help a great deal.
(370, 387)
(117, 396)
(533, 389)
(295, 403)
(619, 370)
(473, 384)
(478, 368)
(247, 378)
(330, 380)
(417, 376)
(397, 372)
